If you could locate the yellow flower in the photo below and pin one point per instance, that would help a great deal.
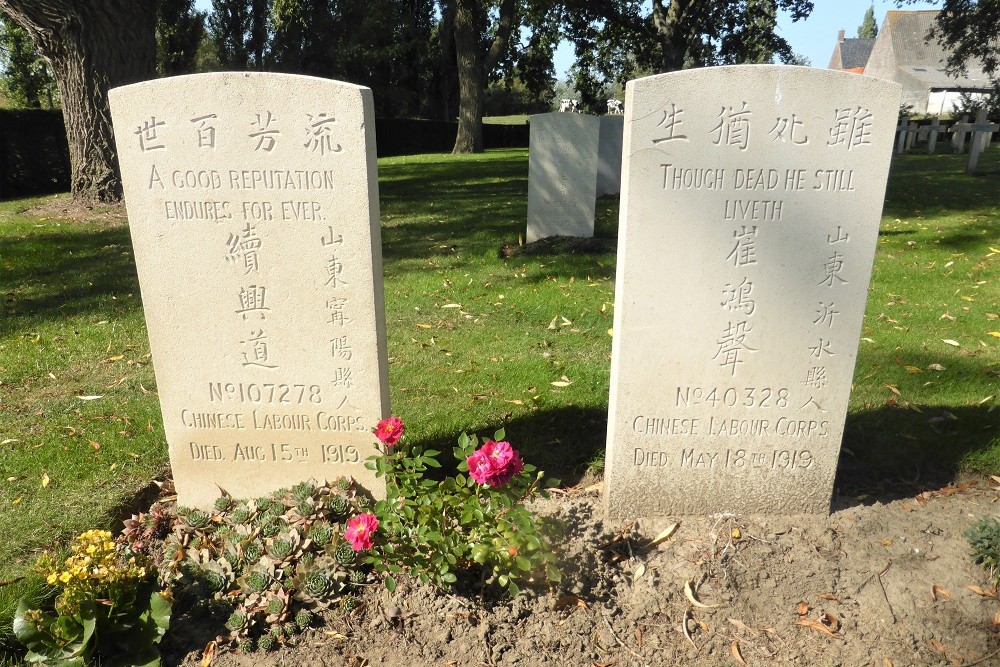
(64, 577)
(52, 578)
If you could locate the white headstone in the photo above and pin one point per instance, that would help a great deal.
(562, 175)
(253, 206)
(750, 212)
(609, 155)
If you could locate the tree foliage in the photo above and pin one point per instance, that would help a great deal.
(617, 40)
(180, 29)
(868, 28)
(970, 31)
(26, 79)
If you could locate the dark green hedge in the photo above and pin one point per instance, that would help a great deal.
(34, 156)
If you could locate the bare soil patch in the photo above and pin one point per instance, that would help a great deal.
(884, 584)
(65, 207)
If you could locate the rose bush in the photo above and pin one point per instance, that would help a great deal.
(475, 519)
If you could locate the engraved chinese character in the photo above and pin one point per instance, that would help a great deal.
(320, 138)
(814, 402)
(738, 298)
(841, 236)
(265, 133)
(833, 267)
(252, 301)
(744, 251)
(733, 128)
(821, 348)
(148, 141)
(671, 122)
(341, 349)
(816, 377)
(205, 129)
(789, 127)
(342, 378)
(732, 344)
(852, 127)
(334, 268)
(336, 307)
(330, 238)
(244, 246)
(257, 356)
(345, 402)
(825, 313)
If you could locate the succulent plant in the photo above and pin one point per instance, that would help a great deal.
(247, 645)
(224, 503)
(343, 484)
(345, 554)
(280, 549)
(338, 506)
(291, 628)
(304, 618)
(236, 621)
(275, 606)
(214, 581)
(270, 527)
(182, 511)
(358, 577)
(198, 519)
(351, 603)
(238, 515)
(364, 502)
(252, 551)
(321, 533)
(256, 581)
(303, 491)
(265, 643)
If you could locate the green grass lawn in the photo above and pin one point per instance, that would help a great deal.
(476, 342)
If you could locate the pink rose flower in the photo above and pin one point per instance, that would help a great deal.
(480, 467)
(389, 431)
(494, 464)
(360, 530)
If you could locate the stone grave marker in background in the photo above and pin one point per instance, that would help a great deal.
(253, 206)
(749, 217)
(609, 155)
(562, 175)
(980, 132)
(958, 135)
(933, 130)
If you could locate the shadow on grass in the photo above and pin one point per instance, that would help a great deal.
(70, 272)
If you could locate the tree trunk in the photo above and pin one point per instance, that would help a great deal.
(91, 46)
(474, 67)
(470, 83)
(670, 25)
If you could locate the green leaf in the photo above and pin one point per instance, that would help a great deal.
(390, 584)
(449, 577)
(500, 435)
(432, 463)
(503, 580)
(522, 564)
(459, 453)
(513, 589)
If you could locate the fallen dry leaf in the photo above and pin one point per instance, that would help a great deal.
(803, 609)
(639, 571)
(886, 662)
(735, 650)
(953, 343)
(996, 620)
(638, 637)
(688, 616)
(45, 480)
(819, 627)
(743, 626)
(665, 534)
(939, 590)
(689, 594)
(828, 596)
(831, 621)
(208, 655)
(984, 593)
